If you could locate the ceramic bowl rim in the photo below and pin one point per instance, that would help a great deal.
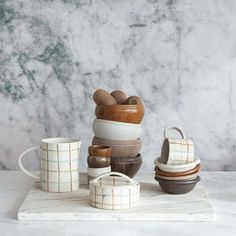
(191, 181)
(137, 141)
(192, 164)
(138, 158)
(122, 106)
(176, 174)
(185, 177)
(118, 123)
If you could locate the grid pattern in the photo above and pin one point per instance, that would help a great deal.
(109, 193)
(181, 151)
(59, 175)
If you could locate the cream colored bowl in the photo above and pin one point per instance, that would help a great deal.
(176, 168)
(107, 129)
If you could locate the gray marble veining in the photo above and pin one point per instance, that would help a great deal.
(178, 56)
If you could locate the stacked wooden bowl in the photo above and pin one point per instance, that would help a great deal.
(117, 125)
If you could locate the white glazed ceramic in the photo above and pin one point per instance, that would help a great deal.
(114, 192)
(176, 168)
(59, 164)
(114, 130)
(177, 151)
(95, 172)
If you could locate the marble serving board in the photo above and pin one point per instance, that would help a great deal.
(155, 205)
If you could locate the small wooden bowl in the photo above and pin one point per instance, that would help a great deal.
(99, 150)
(177, 174)
(98, 162)
(122, 113)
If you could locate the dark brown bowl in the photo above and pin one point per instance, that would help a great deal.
(98, 162)
(126, 165)
(177, 186)
(99, 150)
(122, 113)
(121, 148)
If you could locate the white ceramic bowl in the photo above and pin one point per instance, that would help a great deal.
(176, 168)
(115, 130)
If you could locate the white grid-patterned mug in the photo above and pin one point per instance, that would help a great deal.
(177, 151)
(59, 164)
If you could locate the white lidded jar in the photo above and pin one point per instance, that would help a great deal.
(114, 191)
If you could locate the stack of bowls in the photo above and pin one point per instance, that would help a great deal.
(99, 160)
(177, 169)
(117, 125)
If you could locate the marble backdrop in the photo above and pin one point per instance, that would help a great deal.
(178, 56)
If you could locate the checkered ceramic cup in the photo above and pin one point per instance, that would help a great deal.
(59, 164)
(177, 151)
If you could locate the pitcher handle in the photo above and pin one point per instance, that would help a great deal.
(22, 167)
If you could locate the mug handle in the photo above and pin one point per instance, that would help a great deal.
(177, 129)
(22, 167)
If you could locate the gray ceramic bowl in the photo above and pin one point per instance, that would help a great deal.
(177, 186)
(121, 148)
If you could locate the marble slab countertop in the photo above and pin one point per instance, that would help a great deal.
(220, 186)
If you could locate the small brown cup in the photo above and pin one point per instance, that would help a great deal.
(99, 151)
(98, 162)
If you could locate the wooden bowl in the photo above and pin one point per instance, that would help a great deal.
(99, 150)
(184, 177)
(177, 186)
(98, 162)
(126, 165)
(177, 174)
(122, 113)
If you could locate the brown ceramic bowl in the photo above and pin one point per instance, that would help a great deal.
(177, 186)
(121, 148)
(98, 162)
(99, 150)
(177, 174)
(184, 177)
(126, 165)
(122, 113)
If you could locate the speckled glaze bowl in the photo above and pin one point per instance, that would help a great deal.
(126, 165)
(121, 148)
(122, 113)
(177, 186)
